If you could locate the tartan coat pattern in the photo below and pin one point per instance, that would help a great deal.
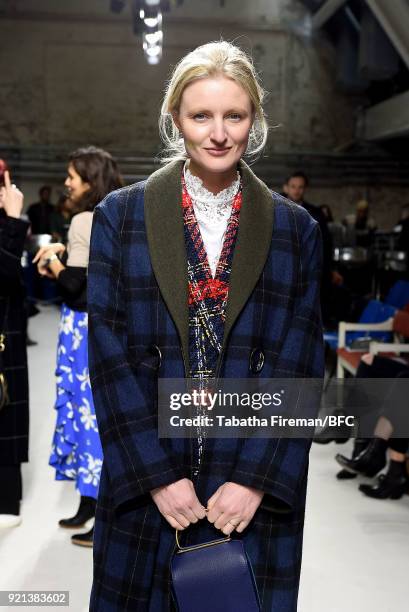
(137, 300)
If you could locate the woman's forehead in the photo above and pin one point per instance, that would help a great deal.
(218, 91)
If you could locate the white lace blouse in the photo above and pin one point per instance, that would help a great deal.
(212, 213)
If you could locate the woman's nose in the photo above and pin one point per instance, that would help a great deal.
(218, 132)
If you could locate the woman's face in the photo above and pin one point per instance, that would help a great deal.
(76, 187)
(215, 118)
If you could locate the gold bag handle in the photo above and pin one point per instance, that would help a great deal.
(183, 549)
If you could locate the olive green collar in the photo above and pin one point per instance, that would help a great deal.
(165, 234)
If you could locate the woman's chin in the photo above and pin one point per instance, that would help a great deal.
(218, 164)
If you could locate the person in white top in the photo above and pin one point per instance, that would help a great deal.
(76, 449)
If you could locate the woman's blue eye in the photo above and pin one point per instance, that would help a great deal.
(203, 116)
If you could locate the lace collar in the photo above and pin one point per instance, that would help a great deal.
(213, 207)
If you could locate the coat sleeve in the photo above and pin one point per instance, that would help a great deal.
(135, 459)
(12, 236)
(72, 281)
(278, 466)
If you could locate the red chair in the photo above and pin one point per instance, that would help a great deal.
(348, 359)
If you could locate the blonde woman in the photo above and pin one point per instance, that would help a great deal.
(199, 272)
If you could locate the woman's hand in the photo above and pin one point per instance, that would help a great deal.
(178, 503)
(45, 253)
(48, 250)
(233, 506)
(11, 198)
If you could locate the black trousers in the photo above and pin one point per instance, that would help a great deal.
(382, 367)
(10, 489)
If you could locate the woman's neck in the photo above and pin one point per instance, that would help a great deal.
(213, 181)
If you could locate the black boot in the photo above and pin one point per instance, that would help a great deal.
(359, 445)
(392, 486)
(340, 434)
(85, 512)
(83, 539)
(369, 462)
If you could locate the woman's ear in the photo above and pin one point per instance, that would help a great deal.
(176, 121)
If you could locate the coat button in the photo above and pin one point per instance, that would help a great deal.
(256, 360)
(156, 352)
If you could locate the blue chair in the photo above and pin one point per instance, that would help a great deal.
(398, 295)
(374, 312)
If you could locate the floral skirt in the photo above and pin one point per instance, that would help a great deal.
(76, 449)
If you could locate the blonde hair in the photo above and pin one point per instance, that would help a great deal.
(212, 59)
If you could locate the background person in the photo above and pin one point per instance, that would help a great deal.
(327, 212)
(77, 453)
(14, 416)
(40, 213)
(371, 456)
(294, 189)
(61, 218)
(362, 224)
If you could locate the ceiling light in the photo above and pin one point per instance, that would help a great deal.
(153, 37)
(154, 50)
(153, 60)
(152, 22)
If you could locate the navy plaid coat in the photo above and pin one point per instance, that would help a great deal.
(137, 300)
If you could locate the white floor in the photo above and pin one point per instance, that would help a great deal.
(356, 550)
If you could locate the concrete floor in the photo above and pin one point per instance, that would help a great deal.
(356, 550)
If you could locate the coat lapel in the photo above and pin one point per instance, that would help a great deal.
(252, 246)
(165, 234)
(164, 227)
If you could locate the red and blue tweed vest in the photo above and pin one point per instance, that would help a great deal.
(207, 301)
(207, 296)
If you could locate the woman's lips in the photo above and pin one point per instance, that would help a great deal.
(218, 152)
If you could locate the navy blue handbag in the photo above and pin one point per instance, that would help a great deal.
(214, 576)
